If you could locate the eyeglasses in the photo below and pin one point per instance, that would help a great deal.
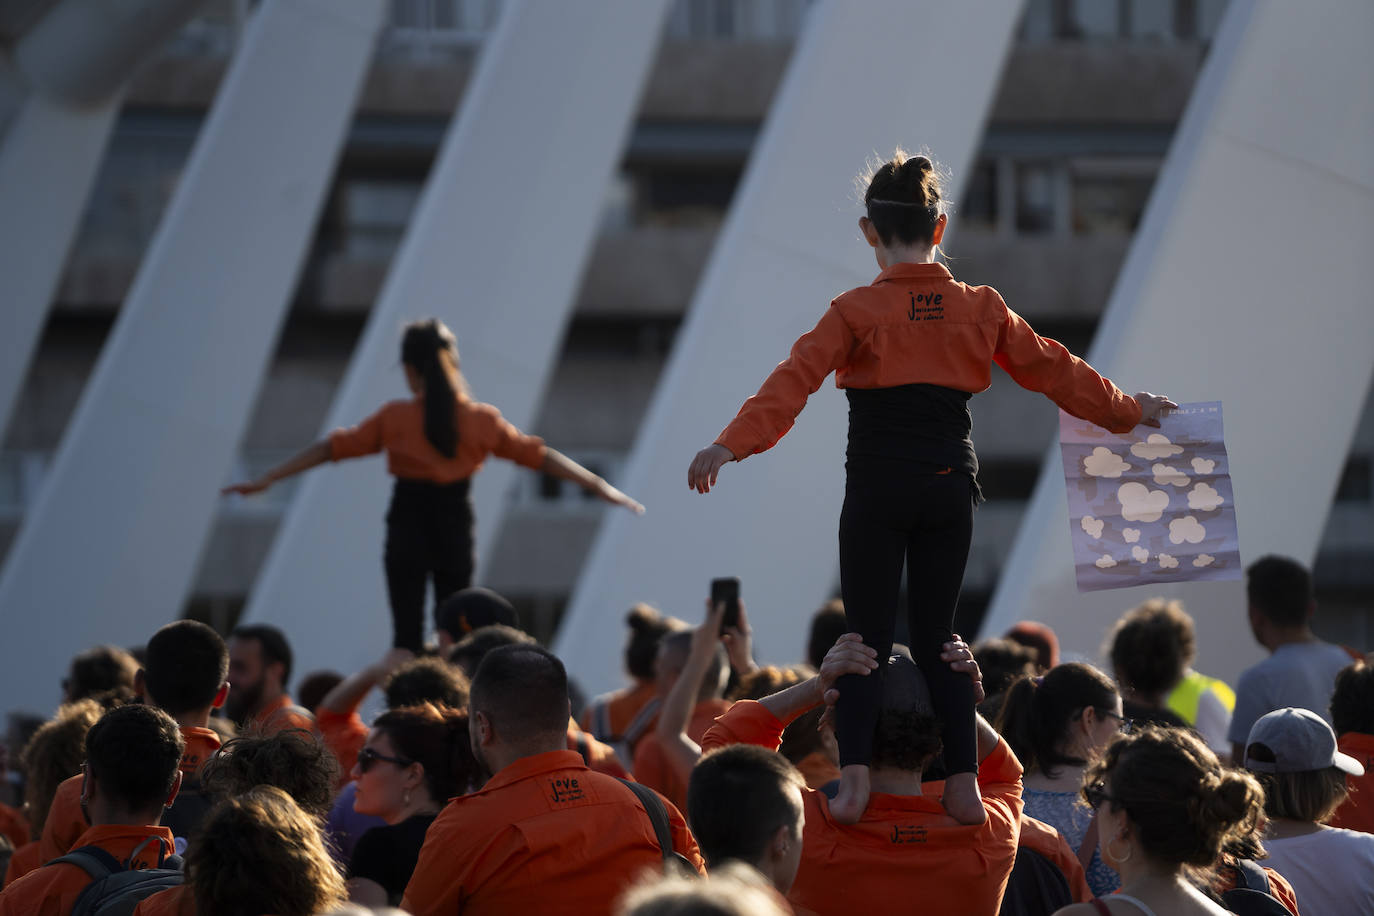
(367, 757)
(1126, 724)
(1096, 794)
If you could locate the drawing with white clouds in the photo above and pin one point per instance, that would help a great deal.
(1150, 506)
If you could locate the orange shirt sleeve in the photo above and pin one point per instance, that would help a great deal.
(25, 859)
(444, 865)
(65, 822)
(1044, 365)
(502, 439)
(14, 825)
(746, 722)
(344, 733)
(767, 416)
(364, 439)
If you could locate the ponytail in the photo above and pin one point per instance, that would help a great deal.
(424, 347)
(1037, 711)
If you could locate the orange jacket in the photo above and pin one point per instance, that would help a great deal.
(652, 765)
(14, 825)
(818, 769)
(1050, 843)
(399, 429)
(51, 890)
(66, 823)
(545, 832)
(25, 859)
(905, 847)
(1357, 811)
(917, 324)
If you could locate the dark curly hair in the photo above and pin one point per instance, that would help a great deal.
(1152, 646)
(293, 760)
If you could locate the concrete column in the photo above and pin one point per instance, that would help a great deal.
(496, 249)
(1248, 282)
(861, 81)
(109, 548)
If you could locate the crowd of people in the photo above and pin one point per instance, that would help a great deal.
(185, 776)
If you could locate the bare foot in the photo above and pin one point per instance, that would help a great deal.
(962, 800)
(849, 803)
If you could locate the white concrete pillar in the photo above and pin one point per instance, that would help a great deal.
(496, 249)
(863, 79)
(1249, 283)
(107, 551)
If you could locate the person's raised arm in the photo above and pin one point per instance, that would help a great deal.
(849, 655)
(676, 709)
(557, 464)
(348, 694)
(309, 457)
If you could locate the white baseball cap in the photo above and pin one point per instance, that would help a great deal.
(1299, 740)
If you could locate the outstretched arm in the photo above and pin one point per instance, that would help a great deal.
(348, 693)
(304, 460)
(557, 464)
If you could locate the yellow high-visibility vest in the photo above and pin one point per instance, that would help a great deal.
(1184, 698)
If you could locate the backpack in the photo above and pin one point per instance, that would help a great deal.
(1036, 887)
(114, 889)
(674, 862)
(1250, 896)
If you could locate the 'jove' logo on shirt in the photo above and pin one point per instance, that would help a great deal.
(925, 306)
(904, 834)
(566, 790)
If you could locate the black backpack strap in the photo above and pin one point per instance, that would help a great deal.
(1252, 876)
(95, 861)
(658, 816)
(584, 747)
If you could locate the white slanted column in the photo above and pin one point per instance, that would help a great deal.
(1249, 283)
(495, 249)
(860, 83)
(75, 59)
(108, 550)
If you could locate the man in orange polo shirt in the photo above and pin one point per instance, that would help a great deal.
(905, 847)
(260, 668)
(545, 830)
(1352, 714)
(133, 757)
(184, 675)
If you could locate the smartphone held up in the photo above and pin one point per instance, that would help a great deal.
(726, 591)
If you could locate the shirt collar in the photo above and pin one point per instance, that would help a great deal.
(534, 765)
(103, 835)
(909, 271)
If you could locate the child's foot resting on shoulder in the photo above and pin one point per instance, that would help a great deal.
(962, 800)
(850, 801)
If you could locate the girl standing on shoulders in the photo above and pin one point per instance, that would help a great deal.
(910, 350)
(435, 442)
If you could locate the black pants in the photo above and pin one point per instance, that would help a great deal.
(428, 536)
(894, 510)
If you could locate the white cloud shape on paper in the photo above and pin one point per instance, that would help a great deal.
(1187, 529)
(1203, 465)
(1104, 462)
(1204, 559)
(1203, 498)
(1170, 476)
(1104, 562)
(1167, 562)
(1154, 447)
(1141, 554)
(1091, 525)
(1130, 534)
(1141, 504)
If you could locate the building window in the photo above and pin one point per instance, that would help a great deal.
(1035, 195)
(979, 209)
(1109, 196)
(373, 214)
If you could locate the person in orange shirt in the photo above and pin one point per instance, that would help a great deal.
(185, 672)
(622, 717)
(132, 772)
(910, 350)
(434, 442)
(544, 829)
(260, 668)
(1352, 715)
(905, 847)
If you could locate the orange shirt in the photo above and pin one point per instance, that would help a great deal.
(608, 716)
(596, 754)
(66, 823)
(14, 825)
(652, 765)
(917, 324)
(905, 847)
(1357, 811)
(399, 429)
(545, 832)
(1051, 844)
(51, 890)
(175, 901)
(1279, 888)
(344, 733)
(818, 769)
(25, 859)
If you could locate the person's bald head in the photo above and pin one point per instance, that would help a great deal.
(673, 650)
(522, 691)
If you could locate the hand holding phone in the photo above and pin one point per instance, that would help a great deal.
(726, 591)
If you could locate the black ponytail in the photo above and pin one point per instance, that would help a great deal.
(422, 348)
(1037, 711)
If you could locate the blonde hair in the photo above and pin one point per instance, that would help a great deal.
(53, 754)
(734, 889)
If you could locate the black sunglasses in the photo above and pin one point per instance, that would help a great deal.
(1126, 724)
(1096, 794)
(367, 757)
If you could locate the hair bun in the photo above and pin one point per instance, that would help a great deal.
(642, 617)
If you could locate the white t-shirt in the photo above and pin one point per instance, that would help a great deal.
(1301, 674)
(1332, 870)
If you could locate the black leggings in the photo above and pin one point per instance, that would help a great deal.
(428, 535)
(894, 511)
